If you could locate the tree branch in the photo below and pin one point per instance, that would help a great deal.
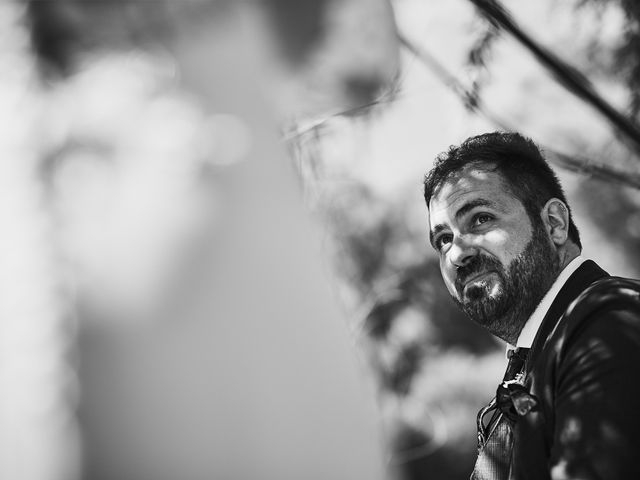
(562, 160)
(567, 75)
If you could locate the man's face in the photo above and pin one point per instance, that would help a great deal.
(495, 263)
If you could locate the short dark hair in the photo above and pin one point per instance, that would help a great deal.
(528, 175)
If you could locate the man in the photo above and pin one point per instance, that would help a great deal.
(510, 256)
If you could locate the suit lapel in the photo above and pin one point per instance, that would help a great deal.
(584, 276)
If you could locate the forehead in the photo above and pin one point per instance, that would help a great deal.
(471, 183)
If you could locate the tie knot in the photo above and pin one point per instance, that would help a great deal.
(517, 360)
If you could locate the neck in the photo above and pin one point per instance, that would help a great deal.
(566, 254)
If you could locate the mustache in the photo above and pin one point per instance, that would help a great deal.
(478, 264)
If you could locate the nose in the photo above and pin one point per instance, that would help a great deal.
(461, 251)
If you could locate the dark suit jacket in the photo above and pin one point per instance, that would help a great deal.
(585, 371)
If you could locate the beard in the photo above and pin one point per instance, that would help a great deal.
(504, 306)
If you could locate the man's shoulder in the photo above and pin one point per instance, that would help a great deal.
(589, 382)
(605, 314)
(606, 294)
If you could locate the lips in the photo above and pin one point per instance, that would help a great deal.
(476, 269)
(476, 277)
(470, 279)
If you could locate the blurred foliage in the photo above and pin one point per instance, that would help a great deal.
(478, 59)
(66, 29)
(616, 211)
(137, 172)
(625, 61)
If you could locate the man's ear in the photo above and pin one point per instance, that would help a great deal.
(555, 216)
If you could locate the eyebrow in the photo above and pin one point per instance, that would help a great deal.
(462, 211)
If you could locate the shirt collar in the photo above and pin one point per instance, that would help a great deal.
(528, 333)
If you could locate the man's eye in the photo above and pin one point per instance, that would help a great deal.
(443, 240)
(481, 218)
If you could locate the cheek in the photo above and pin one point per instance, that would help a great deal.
(497, 237)
(505, 245)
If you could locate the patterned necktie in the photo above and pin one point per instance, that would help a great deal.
(512, 397)
(495, 437)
